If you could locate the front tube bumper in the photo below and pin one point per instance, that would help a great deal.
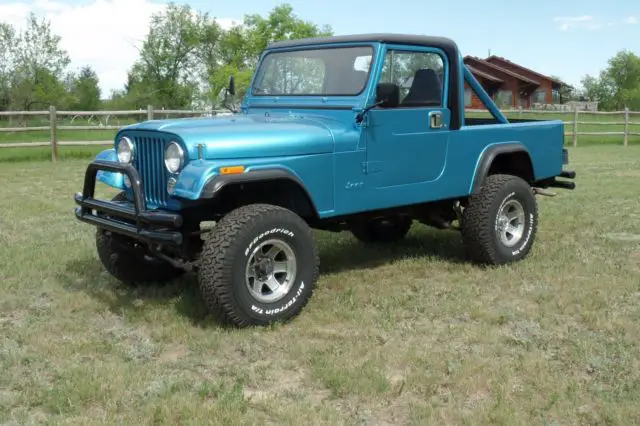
(150, 226)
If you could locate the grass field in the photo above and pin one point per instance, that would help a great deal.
(30, 154)
(408, 333)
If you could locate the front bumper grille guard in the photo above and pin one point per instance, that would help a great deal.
(146, 221)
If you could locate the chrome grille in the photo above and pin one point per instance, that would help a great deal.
(149, 161)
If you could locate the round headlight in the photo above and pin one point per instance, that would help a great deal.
(125, 150)
(173, 157)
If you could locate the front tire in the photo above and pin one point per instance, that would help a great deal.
(258, 266)
(500, 223)
(130, 262)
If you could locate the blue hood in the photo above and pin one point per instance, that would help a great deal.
(250, 136)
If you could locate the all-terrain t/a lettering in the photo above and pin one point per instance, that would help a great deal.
(274, 230)
(371, 139)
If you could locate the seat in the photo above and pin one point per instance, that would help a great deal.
(425, 89)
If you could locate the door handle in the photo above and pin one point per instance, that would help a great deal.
(435, 119)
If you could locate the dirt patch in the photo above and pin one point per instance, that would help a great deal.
(288, 384)
(476, 399)
(282, 383)
(173, 354)
(15, 318)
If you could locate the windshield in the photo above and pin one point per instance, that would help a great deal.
(336, 71)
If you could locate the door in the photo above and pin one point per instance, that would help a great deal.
(407, 144)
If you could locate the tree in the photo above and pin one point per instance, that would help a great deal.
(280, 24)
(164, 73)
(618, 85)
(39, 64)
(32, 66)
(7, 45)
(85, 90)
(239, 48)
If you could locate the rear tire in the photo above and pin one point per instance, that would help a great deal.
(258, 266)
(500, 223)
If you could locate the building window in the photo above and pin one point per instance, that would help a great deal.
(467, 97)
(418, 74)
(555, 96)
(539, 96)
(504, 98)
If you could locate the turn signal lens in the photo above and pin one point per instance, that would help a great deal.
(231, 170)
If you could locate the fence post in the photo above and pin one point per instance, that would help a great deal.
(53, 123)
(575, 126)
(149, 112)
(626, 126)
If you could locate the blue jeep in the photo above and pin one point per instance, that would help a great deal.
(365, 133)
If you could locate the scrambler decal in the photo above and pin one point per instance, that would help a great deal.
(282, 308)
(271, 231)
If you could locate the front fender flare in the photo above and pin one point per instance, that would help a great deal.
(490, 154)
(216, 183)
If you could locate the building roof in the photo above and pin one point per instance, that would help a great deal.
(503, 70)
(484, 75)
(499, 59)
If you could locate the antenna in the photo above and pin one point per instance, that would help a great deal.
(489, 51)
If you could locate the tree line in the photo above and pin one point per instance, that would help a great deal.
(186, 60)
(617, 86)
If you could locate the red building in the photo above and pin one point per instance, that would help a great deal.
(510, 85)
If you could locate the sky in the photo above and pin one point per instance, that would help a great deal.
(567, 38)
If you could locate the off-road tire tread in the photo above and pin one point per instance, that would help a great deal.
(217, 261)
(127, 269)
(476, 233)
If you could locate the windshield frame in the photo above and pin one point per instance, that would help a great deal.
(260, 70)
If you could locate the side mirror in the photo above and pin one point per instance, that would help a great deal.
(232, 86)
(387, 95)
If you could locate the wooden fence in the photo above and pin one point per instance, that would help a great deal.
(54, 143)
(53, 126)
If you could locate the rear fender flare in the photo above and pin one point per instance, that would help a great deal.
(486, 160)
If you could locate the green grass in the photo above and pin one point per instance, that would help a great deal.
(29, 154)
(407, 333)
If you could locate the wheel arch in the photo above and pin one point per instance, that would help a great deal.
(507, 158)
(272, 186)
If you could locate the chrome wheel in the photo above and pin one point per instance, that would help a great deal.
(271, 271)
(510, 223)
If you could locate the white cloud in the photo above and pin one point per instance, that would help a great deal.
(565, 23)
(104, 34)
(631, 20)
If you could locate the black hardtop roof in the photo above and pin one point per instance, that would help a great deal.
(418, 40)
